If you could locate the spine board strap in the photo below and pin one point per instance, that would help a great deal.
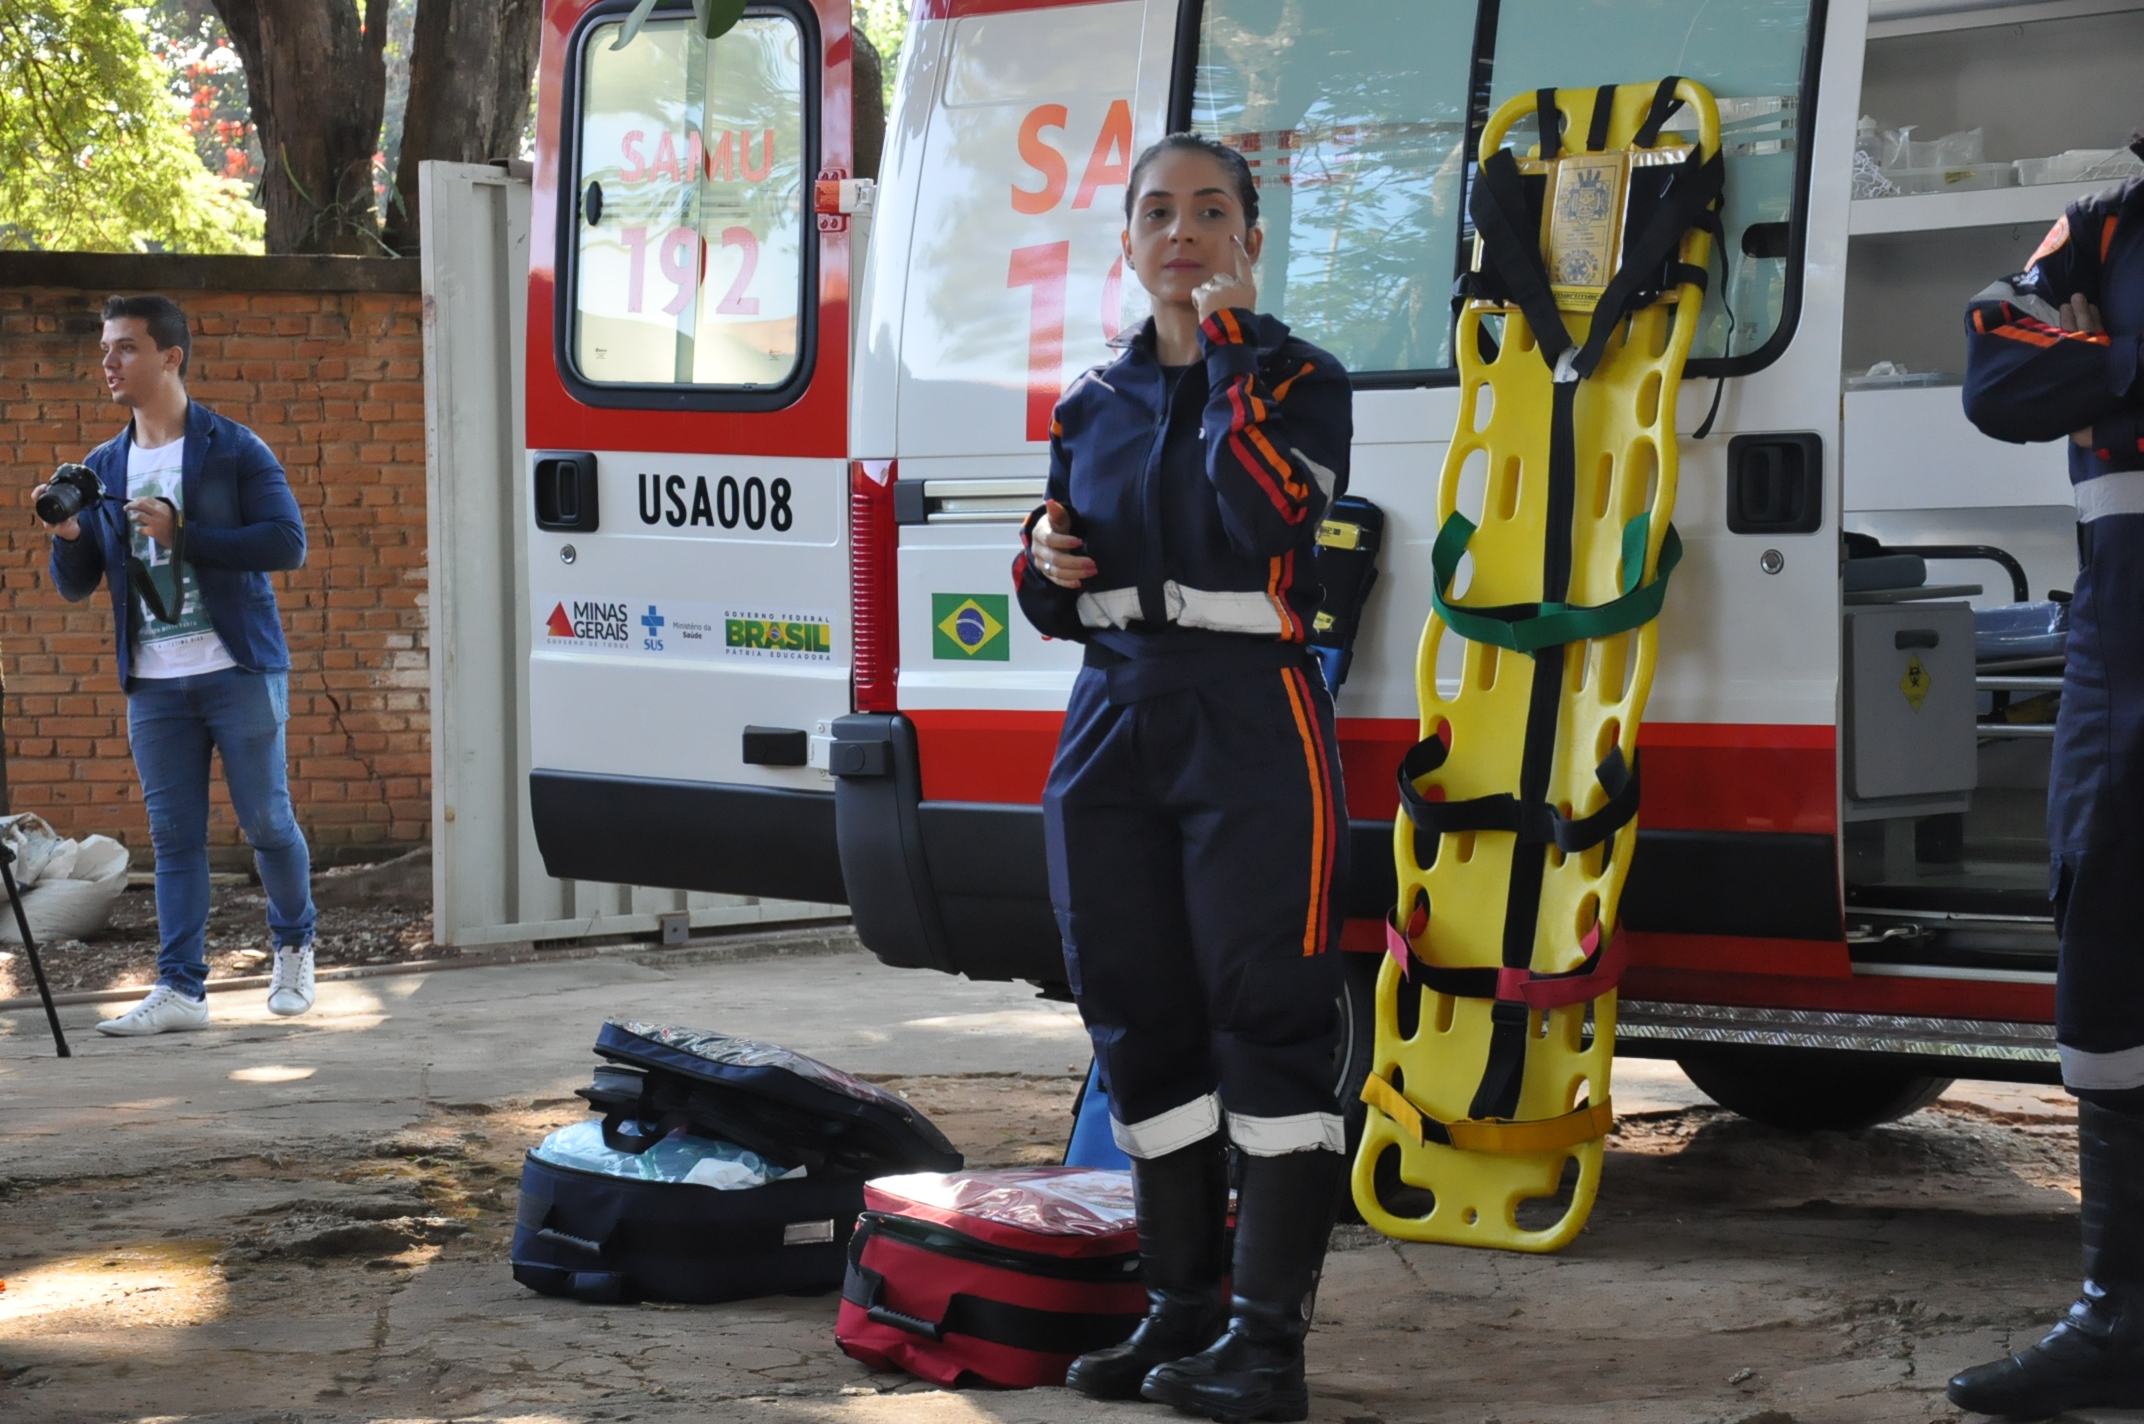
(1550, 1134)
(1537, 824)
(1530, 627)
(1500, 213)
(1597, 974)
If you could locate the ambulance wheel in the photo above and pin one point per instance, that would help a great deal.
(1803, 1091)
(1351, 1060)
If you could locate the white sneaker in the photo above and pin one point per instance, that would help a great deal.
(166, 1010)
(290, 991)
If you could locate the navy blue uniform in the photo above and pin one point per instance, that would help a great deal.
(2028, 380)
(1194, 814)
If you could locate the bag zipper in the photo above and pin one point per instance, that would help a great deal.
(944, 1241)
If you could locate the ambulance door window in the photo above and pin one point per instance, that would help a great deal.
(1353, 116)
(1754, 56)
(688, 265)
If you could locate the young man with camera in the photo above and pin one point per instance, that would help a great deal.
(185, 514)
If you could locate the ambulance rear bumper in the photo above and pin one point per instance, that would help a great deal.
(963, 886)
(771, 842)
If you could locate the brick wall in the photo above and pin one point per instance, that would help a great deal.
(323, 358)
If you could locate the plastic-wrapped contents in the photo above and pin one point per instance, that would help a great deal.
(1052, 1201)
(699, 1161)
(2020, 630)
(1953, 177)
(1893, 375)
(2080, 165)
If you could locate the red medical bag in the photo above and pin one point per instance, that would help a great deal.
(1001, 1277)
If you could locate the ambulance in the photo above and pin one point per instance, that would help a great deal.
(785, 416)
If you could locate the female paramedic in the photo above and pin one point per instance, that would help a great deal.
(1194, 813)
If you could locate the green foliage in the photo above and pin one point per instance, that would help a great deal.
(886, 22)
(94, 149)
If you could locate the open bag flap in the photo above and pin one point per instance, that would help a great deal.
(803, 1102)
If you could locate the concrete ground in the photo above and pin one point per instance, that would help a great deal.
(307, 1220)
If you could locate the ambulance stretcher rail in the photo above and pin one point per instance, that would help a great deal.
(2020, 590)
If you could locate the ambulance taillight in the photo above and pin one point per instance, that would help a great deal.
(874, 587)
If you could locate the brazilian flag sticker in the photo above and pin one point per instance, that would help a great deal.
(969, 626)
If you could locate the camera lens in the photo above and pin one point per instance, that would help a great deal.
(72, 490)
(59, 503)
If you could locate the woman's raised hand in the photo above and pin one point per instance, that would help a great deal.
(1053, 549)
(1234, 285)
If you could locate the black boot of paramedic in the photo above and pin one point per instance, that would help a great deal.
(2095, 1354)
(1182, 1200)
(1255, 1371)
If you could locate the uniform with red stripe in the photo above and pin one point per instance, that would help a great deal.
(2033, 376)
(1193, 815)
(2027, 379)
(1220, 536)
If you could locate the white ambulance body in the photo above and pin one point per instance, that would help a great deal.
(780, 655)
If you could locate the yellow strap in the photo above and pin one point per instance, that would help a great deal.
(1388, 1100)
(1479, 1135)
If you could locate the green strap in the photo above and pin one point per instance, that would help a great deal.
(1526, 627)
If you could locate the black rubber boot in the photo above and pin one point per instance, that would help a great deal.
(1182, 1203)
(1255, 1371)
(2095, 1355)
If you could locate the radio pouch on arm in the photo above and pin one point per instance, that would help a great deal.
(1495, 1019)
(143, 578)
(1348, 541)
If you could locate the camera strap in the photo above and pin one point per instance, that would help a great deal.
(143, 578)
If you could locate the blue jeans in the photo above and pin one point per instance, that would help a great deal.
(174, 723)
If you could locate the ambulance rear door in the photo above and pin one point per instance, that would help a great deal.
(686, 433)
(996, 278)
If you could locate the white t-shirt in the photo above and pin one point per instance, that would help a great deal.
(189, 646)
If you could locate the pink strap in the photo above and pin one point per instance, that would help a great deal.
(1603, 971)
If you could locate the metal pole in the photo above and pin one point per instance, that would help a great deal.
(37, 967)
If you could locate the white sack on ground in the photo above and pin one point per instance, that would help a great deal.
(68, 887)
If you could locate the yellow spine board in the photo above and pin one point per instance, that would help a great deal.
(1625, 465)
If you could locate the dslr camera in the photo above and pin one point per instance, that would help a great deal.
(74, 488)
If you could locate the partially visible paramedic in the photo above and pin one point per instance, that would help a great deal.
(2053, 354)
(196, 513)
(1193, 816)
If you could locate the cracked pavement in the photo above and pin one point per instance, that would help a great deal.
(307, 1220)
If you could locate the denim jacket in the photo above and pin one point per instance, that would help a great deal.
(242, 524)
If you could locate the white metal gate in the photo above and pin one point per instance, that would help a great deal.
(488, 881)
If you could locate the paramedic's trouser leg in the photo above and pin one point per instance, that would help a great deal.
(1194, 841)
(2095, 1355)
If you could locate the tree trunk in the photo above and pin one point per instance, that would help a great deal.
(317, 82)
(470, 66)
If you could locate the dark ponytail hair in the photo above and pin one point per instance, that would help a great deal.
(1232, 163)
